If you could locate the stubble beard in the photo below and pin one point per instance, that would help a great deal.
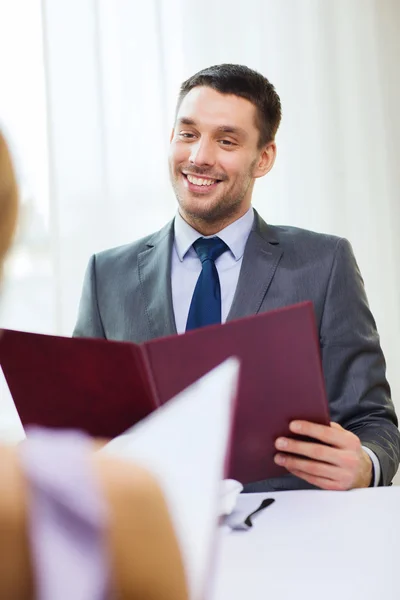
(218, 212)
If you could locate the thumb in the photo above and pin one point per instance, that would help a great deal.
(336, 425)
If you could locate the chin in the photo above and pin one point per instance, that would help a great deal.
(205, 214)
(199, 208)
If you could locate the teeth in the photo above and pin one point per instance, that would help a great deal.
(199, 181)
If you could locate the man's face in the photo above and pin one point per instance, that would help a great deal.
(214, 156)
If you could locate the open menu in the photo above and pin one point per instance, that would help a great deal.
(104, 387)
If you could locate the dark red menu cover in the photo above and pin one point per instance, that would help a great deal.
(105, 387)
(99, 386)
(281, 379)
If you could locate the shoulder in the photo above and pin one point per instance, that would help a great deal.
(307, 243)
(304, 247)
(127, 254)
(288, 235)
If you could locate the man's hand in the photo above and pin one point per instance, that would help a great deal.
(342, 465)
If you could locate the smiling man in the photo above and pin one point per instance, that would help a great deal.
(218, 260)
(217, 152)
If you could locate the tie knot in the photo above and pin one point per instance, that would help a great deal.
(209, 248)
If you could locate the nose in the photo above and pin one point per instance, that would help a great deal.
(202, 153)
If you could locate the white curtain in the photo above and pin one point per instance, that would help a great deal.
(90, 113)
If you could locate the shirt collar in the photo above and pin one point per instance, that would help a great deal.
(234, 235)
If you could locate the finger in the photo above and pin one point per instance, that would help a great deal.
(339, 438)
(318, 452)
(310, 467)
(320, 482)
(336, 425)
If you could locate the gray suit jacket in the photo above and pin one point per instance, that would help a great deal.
(127, 296)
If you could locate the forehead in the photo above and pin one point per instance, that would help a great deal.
(209, 108)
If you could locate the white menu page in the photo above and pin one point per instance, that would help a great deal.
(185, 444)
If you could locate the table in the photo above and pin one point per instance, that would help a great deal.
(313, 545)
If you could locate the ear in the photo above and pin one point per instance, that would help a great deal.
(171, 137)
(266, 160)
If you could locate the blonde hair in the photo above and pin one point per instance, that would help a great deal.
(8, 200)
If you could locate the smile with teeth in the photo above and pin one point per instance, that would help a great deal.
(200, 180)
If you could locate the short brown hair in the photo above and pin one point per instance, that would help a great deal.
(8, 200)
(246, 83)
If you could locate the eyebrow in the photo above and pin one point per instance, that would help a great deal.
(222, 128)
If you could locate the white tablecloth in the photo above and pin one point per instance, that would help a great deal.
(313, 545)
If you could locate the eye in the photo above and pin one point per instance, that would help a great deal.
(227, 143)
(186, 135)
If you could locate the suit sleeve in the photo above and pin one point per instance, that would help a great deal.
(89, 322)
(354, 365)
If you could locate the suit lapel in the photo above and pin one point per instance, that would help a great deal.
(260, 261)
(154, 267)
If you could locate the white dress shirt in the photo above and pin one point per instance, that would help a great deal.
(186, 265)
(186, 268)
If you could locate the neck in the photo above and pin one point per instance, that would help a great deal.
(206, 227)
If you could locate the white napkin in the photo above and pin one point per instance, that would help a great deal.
(229, 493)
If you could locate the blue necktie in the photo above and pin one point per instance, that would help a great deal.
(205, 308)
